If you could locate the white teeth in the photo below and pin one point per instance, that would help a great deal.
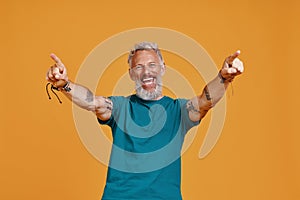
(147, 79)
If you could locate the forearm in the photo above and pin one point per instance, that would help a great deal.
(78, 94)
(215, 90)
(81, 96)
(212, 94)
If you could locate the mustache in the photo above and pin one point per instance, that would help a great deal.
(148, 76)
(139, 82)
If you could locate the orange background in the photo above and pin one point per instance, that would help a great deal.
(258, 154)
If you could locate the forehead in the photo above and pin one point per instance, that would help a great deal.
(144, 56)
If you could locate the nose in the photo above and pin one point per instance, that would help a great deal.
(147, 69)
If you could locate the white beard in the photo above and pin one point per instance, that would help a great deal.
(147, 95)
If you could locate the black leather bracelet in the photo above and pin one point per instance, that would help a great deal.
(66, 87)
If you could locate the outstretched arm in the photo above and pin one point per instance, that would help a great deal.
(78, 94)
(215, 89)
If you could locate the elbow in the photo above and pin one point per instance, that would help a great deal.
(204, 106)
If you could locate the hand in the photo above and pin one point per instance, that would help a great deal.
(57, 74)
(232, 67)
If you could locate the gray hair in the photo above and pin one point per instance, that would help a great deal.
(145, 46)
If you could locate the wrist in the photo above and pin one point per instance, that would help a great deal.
(64, 86)
(223, 79)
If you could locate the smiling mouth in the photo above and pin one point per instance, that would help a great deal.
(148, 81)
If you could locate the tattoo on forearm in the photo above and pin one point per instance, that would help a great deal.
(89, 96)
(191, 107)
(208, 97)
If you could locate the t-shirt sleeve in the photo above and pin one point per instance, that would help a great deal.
(106, 122)
(185, 119)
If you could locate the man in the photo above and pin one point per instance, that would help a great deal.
(148, 128)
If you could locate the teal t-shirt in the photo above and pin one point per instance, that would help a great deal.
(145, 161)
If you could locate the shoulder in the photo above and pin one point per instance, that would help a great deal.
(181, 101)
(173, 103)
(117, 99)
(121, 101)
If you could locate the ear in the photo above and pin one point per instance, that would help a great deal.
(163, 69)
(131, 74)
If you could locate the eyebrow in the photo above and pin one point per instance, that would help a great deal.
(146, 63)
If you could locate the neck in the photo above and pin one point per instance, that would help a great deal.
(158, 98)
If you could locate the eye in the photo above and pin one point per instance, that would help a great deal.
(152, 65)
(138, 67)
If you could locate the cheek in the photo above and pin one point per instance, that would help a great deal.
(134, 76)
(158, 72)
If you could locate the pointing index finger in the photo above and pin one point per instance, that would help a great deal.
(55, 58)
(231, 58)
